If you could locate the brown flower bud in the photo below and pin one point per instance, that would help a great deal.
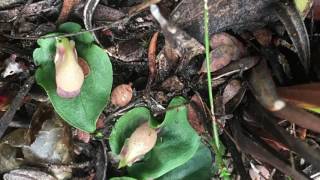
(121, 95)
(141, 141)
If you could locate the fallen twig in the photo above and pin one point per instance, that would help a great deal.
(15, 105)
(138, 8)
(114, 24)
(296, 29)
(88, 11)
(269, 123)
(32, 9)
(256, 149)
(102, 161)
(236, 156)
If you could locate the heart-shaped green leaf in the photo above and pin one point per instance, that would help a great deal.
(177, 141)
(46, 52)
(198, 167)
(71, 27)
(82, 111)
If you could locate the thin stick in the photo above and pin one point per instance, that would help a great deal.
(15, 105)
(114, 24)
(206, 41)
(138, 8)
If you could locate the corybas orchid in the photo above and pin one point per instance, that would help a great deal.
(69, 75)
(141, 141)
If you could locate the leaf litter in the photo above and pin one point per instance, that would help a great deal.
(264, 80)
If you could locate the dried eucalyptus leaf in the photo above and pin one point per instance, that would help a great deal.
(223, 15)
(296, 29)
(17, 138)
(8, 159)
(52, 143)
(26, 174)
(231, 90)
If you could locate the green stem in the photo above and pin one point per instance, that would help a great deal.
(208, 62)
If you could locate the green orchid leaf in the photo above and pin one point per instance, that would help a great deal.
(47, 49)
(82, 111)
(177, 142)
(71, 27)
(198, 167)
(126, 125)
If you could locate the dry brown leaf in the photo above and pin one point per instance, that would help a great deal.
(84, 66)
(196, 111)
(303, 95)
(152, 58)
(231, 90)
(67, 6)
(223, 38)
(275, 144)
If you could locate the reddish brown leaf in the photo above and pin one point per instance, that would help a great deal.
(152, 58)
(101, 121)
(140, 7)
(4, 103)
(268, 138)
(195, 109)
(67, 6)
(263, 36)
(220, 57)
(275, 144)
(225, 39)
(300, 117)
(84, 66)
(302, 133)
(305, 95)
(82, 136)
(231, 90)
(315, 11)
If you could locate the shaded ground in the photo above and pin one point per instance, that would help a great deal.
(264, 77)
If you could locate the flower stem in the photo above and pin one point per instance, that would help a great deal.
(208, 62)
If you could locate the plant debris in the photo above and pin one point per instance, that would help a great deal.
(119, 89)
